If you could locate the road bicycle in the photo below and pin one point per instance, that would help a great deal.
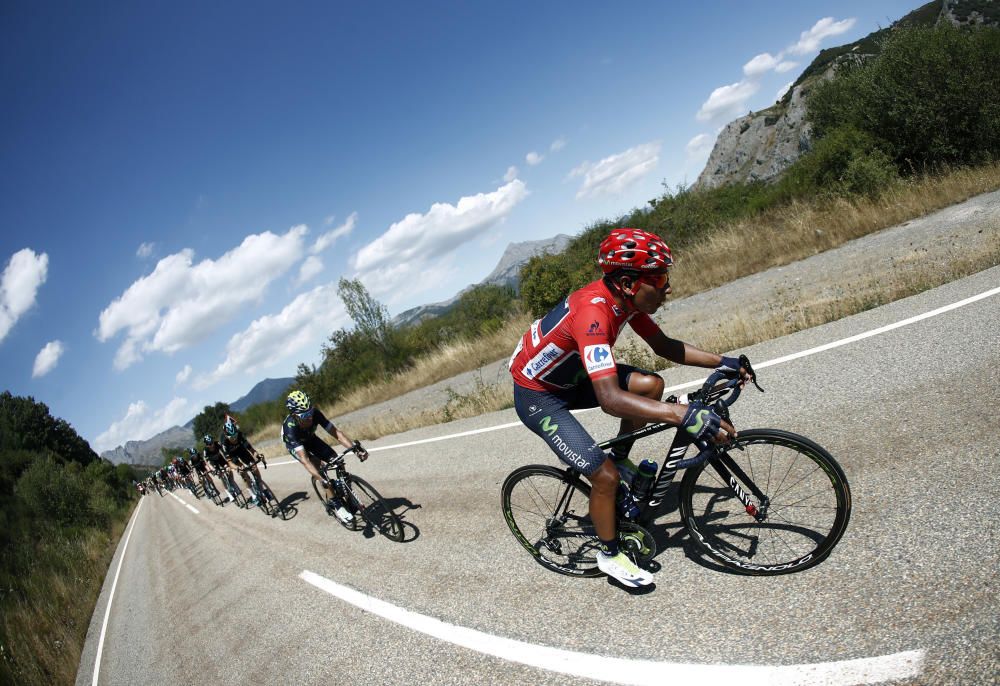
(265, 499)
(770, 502)
(229, 483)
(208, 486)
(359, 497)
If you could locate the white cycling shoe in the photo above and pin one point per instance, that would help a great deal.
(623, 569)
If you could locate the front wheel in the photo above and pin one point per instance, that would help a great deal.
(771, 503)
(367, 504)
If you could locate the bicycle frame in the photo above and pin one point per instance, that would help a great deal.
(727, 469)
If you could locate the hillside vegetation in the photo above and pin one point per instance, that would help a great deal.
(62, 508)
(893, 135)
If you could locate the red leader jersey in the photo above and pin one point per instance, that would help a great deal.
(574, 340)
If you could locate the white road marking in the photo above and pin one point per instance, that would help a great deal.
(870, 670)
(698, 382)
(111, 595)
(182, 502)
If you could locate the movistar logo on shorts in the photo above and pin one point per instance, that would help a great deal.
(548, 427)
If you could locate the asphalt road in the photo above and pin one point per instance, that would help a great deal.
(911, 414)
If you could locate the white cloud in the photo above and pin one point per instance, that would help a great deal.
(700, 145)
(310, 268)
(144, 250)
(731, 101)
(760, 64)
(824, 28)
(25, 273)
(727, 100)
(302, 324)
(417, 241)
(533, 158)
(784, 89)
(183, 375)
(47, 358)
(181, 302)
(511, 174)
(330, 237)
(139, 423)
(558, 144)
(615, 173)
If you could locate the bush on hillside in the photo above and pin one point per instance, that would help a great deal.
(930, 97)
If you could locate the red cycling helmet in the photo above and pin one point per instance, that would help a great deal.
(635, 249)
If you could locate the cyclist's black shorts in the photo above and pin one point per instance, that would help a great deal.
(217, 461)
(317, 448)
(547, 413)
(241, 456)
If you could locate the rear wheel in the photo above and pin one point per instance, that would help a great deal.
(796, 507)
(548, 511)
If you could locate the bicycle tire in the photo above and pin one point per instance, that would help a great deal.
(529, 498)
(807, 510)
(369, 505)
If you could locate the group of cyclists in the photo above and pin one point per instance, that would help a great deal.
(562, 363)
(233, 452)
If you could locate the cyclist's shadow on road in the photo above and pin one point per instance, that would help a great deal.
(400, 506)
(289, 504)
(670, 532)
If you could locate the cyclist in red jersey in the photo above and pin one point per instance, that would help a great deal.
(564, 362)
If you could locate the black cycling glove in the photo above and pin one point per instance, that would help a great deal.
(700, 422)
(731, 365)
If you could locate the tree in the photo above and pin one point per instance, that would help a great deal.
(209, 422)
(370, 317)
(930, 97)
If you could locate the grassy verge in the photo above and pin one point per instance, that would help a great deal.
(45, 623)
(801, 229)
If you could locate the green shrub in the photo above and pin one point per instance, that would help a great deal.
(930, 97)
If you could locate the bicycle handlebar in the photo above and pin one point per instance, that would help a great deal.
(724, 395)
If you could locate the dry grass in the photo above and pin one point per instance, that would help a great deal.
(911, 275)
(47, 627)
(801, 229)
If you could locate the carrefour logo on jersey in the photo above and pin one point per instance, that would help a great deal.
(542, 359)
(598, 357)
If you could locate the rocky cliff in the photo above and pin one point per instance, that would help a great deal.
(761, 145)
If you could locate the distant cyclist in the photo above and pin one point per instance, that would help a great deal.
(183, 470)
(217, 461)
(200, 468)
(298, 432)
(240, 453)
(564, 362)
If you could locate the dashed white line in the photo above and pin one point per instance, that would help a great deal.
(111, 595)
(193, 509)
(871, 670)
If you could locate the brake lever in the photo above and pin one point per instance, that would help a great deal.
(745, 363)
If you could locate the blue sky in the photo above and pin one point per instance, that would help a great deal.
(184, 183)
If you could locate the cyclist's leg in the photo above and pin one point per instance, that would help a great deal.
(548, 416)
(634, 380)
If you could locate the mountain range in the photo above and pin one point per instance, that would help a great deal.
(506, 273)
(149, 451)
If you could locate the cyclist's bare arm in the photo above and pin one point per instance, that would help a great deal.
(620, 403)
(345, 441)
